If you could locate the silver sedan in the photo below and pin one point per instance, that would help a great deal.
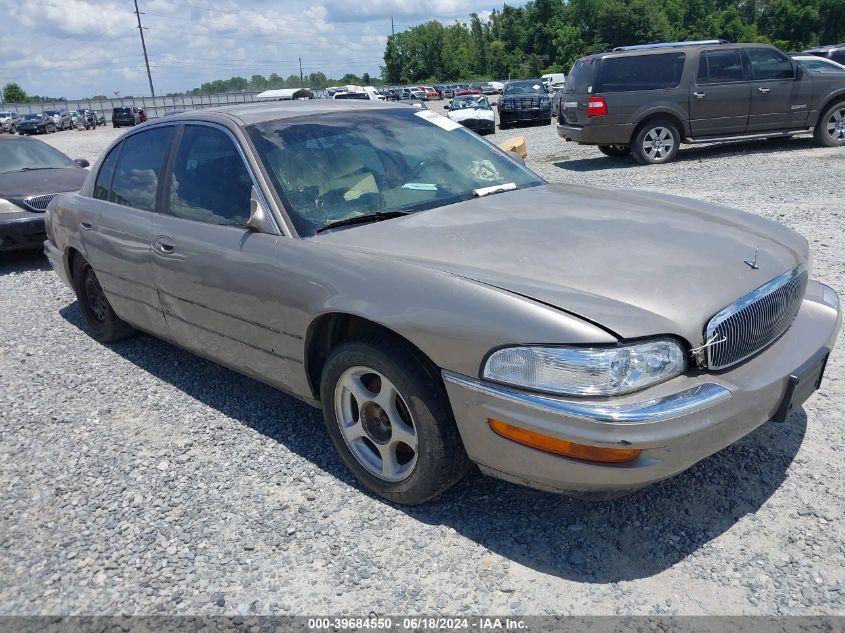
(441, 303)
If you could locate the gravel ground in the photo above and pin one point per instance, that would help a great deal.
(138, 478)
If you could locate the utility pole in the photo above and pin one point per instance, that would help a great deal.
(392, 30)
(301, 80)
(144, 46)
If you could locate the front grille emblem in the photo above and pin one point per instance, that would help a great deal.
(753, 263)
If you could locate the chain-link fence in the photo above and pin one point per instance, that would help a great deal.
(153, 106)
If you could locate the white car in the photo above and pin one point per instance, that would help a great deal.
(822, 64)
(473, 112)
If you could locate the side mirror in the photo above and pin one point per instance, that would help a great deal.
(517, 157)
(259, 217)
(82, 162)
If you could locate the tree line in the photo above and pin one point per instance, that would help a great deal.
(260, 83)
(549, 35)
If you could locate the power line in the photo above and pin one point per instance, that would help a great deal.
(144, 46)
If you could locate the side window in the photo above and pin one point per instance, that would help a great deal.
(767, 63)
(838, 56)
(210, 181)
(136, 177)
(102, 187)
(721, 67)
(641, 72)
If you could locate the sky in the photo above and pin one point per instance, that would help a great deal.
(79, 48)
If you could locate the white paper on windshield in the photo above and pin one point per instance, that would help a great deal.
(438, 119)
(420, 186)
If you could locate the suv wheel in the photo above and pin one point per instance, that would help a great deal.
(656, 142)
(388, 416)
(830, 130)
(615, 151)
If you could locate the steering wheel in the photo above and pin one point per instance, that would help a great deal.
(429, 162)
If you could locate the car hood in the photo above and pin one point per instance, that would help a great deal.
(637, 264)
(21, 184)
(470, 113)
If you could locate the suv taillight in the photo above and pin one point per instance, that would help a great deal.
(596, 106)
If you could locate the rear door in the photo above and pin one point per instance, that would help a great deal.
(216, 278)
(780, 97)
(116, 229)
(572, 107)
(720, 99)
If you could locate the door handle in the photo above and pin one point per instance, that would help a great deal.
(700, 95)
(85, 224)
(764, 91)
(165, 245)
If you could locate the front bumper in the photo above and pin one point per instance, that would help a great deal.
(527, 115)
(21, 231)
(675, 424)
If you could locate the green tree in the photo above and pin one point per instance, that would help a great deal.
(13, 93)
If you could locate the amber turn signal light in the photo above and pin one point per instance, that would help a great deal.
(564, 447)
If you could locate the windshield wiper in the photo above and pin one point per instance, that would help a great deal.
(33, 169)
(362, 219)
(489, 191)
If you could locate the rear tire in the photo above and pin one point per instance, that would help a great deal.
(103, 324)
(376, 389)
(656, 142)
(830, 129)
(615, 151)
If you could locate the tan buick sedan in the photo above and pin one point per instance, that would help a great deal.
(442, 303)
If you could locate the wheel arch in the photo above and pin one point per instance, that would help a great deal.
(665, 115)
(836, 97)
(330, 329)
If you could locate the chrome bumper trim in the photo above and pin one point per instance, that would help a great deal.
(654, 410)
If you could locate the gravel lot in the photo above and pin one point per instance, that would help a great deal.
(138, 478)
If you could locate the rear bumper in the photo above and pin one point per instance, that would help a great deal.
(617, 134)
(479, 125)
(21, 231)
(675, 424)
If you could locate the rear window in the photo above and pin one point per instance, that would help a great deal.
(641, 72)
(352, 95)
(580, 76)
(121, 110)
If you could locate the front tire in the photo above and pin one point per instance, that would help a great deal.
(830, 129)
(656, 142)
(388, 416)
(615, 151)
(103, 324)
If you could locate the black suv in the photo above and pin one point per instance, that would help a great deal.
(524, 101)
(646, 100)
(125, 116)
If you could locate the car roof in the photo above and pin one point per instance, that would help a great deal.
(259, 112)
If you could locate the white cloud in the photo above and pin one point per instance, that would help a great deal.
(77, 48)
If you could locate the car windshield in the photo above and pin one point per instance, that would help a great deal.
(4, 115)
(31, 117)
(821, 65)
(22, 154)
(525, 88)
(337, 166)
(459, 103)
(50, 112)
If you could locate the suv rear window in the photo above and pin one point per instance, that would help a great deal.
(641, 72)
(121, 111)
(580, 76)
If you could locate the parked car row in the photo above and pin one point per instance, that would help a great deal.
(647, 100)
(49, 121)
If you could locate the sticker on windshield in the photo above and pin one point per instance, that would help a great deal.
(438, 119)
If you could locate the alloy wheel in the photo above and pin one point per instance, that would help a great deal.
(658, 143)
(836, 124)
(376, 423)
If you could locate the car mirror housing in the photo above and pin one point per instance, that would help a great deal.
(82, 162)
(259, 218)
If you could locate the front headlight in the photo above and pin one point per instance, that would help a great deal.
(587, 371)
(9, 207)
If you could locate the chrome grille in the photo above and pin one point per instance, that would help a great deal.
(756, 320)
(39, 203)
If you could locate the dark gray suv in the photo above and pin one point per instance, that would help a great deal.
(647, 100)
